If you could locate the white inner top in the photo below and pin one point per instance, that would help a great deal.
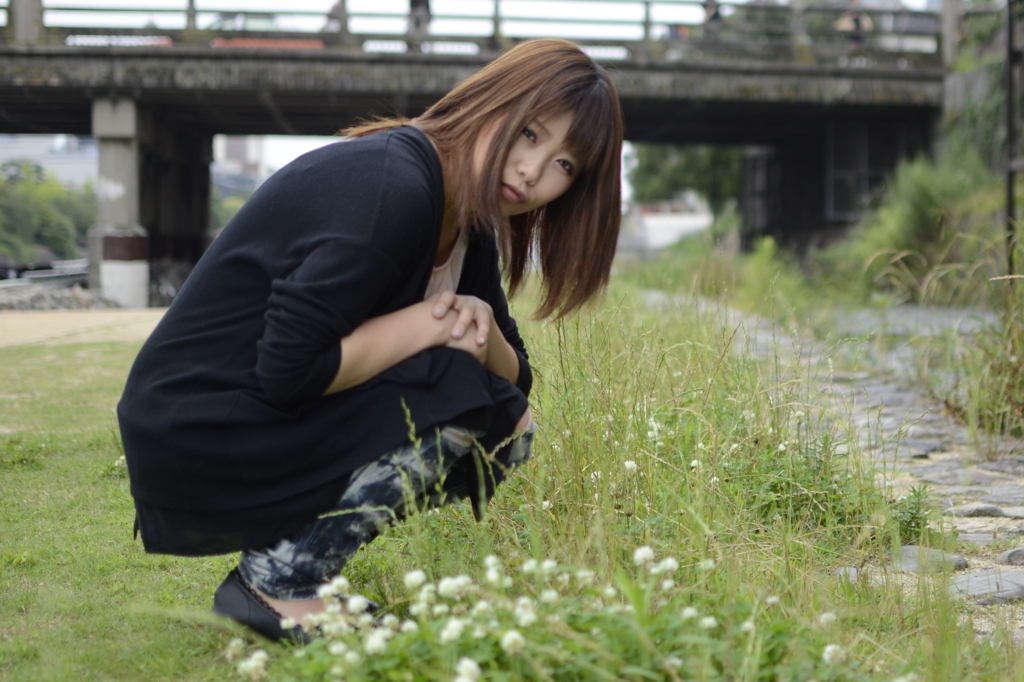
(446, 276)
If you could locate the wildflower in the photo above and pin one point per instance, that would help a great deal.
(493, 576)
(546, 505)
(747, 627)
(782, 447)
(390, 621)
(491, 561)
(353, 658)
(666, 565)
(672, 663)
(440, 609)
(833, 654)
(288, 623)
(706, 564)
(452, 630)
(714, 480)
(415, 579)
(483, 606)
(643, 556)
(688, 613)
(564, 579)
(364, 620)
(254, 667)
(667, 584)
(449, 588)
(467, 670)
(234, 649)
(337, 671)
(530, 566)
(419, 609)
(524, 614)
(513, 643)
(341, 585)
(826, 619)
(585, 576)
(630, 466)
(337, 649)
(479, 632)
(609, 592)
(549, 597)
(409, 626)
(357, 603)
(694, 464)
(548, 566)
(427, 593)
(708, 622)
(772, 600)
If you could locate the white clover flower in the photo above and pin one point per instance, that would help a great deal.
(694, 464)
(666, 565)
(548, 566)
(233, 651)
(468, 668)
(479, 632)
(334, 608)
(706, 564)
(689, 613)
(546, 505)
(299, 653)
(771, 600)
(357, 603)
(326, 591)
(452, 631)
(288, 623)
(643, 555)
(364, 620)
(353, 658)
(630, 466)
(440, 609)
(609, 592)
(748, 626)
(530, 566)
(833, 654)
(390, 621)
(338, 671)
(673, 663)
(708, 622)
(513, 643)
(827, 619)
(255, 666)
(428, 593)
(376, 642)
(549, 596)
(409, 626)
(524, 613)
(491, 561)
(419, 609)
(493, 576)
(714, 480)
(448, 588)
(415, 579)
(782, 447)
(337, 648)
(564, 579)
(667, 584)
(585, 576)
(341, 585)
(483, 606)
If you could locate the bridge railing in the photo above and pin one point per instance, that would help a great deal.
(846, 33)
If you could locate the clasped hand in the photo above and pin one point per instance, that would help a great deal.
(471, 329)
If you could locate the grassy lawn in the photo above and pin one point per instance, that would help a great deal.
(654, 434)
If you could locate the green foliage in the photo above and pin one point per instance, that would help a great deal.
(36, 210)
(911, 514)
(662, 171)
(223, 209)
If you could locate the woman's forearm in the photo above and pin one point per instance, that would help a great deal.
(382, 342)
(502, 359)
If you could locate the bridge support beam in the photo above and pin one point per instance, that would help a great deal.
(24, 21)
(153, 186)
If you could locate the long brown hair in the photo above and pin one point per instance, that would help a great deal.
(577, 232)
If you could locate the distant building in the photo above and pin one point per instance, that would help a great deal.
(239, 164)
(72, 159)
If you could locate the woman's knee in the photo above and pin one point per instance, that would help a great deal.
(525, 421)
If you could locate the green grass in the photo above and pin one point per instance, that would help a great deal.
(771, 504)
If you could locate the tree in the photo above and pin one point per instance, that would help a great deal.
(662, 171)
(36, 210)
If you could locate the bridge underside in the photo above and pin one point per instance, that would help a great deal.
(807, 122)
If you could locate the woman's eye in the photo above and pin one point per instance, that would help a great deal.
(532, 136)
(567, 166)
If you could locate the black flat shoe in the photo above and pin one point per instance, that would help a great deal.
(239, 602)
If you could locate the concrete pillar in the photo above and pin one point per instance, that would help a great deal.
(950, 30)
(118, 248)
(25, 21)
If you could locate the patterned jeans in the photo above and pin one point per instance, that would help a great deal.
(440, 471)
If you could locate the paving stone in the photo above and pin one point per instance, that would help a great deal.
(942, 466)
(1013, 557)
(1013, 512)
(991, 586)
(1014, 466)
(1005, 494)
(965, 477)
(976, 509)
(851, 573)
(962, 490)
(915, 559)
(981, 539)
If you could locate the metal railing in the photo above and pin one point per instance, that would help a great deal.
(801, 31)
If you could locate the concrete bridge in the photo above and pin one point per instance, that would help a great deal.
(832, 96)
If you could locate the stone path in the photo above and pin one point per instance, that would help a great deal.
(911, 440)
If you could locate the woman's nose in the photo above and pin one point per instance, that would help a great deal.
(529, 170)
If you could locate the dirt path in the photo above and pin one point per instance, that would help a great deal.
(50, 327)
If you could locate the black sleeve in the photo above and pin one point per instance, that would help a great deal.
(482, 277)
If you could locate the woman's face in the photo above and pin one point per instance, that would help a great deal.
(539, 168)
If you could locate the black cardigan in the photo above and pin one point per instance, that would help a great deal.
(229, 440)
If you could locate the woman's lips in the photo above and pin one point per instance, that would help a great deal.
(511, 194)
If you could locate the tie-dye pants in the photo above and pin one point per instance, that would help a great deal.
(442, 469)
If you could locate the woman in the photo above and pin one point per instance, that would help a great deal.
(348, 330)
